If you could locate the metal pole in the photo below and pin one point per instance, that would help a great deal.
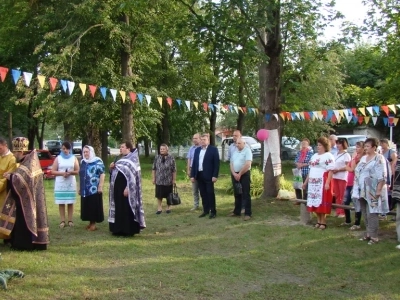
(391, 133)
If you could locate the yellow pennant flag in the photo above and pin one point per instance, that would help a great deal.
(82, 86)
(240, 109)
(366, 119)
(362, 110)
(302, 115)
(392, 107)
(159, 100)
(395, 120)
(196, 104)
(256, 110)
(283, 116)
(123, 95)
(41, 80)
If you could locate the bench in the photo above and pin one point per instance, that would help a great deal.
(305, 216)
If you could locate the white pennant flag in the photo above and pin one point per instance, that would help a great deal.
(337, 114)
(316, 115)
(114, 94)
(236, 109)
(276, 117)
(349, 117)
(148, 99)
(370, 110)
(71, 86)
(187, 102)
(27, 77)
(297, 115)
(374, 119)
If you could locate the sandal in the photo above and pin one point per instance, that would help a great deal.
(62, 224)
(373, 241)
(365, 238)
(317, 225)
(355, 227)
(322, 228)
(70, 224)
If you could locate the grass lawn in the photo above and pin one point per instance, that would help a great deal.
(180, 256)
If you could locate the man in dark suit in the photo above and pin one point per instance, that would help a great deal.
(205, 170)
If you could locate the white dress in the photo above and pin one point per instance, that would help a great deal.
(65, 188)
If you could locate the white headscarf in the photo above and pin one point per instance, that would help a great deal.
(92, 155)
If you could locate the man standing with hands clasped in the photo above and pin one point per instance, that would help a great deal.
(240, 169)
(190, 156)
(205, 170)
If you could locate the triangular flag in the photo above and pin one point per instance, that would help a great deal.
(385, 121)
(27, 77)
(362, 110)
(354, 111)
(360, 119)
(376, 109)
(159, 100)
(374, 119)
(187, 104)
(297, 114)
(283, 116)
(63, 85)
(103, 92)
(312, 117)
(244, 109)
(148, 99)
(132, 95)
(53, 83)
(196, 104)
(114, 94)
(235, 108)
(349, 118)
(337, 114)
(211, 106)
(276, 117)
(355, 119)
(83, 87)
(179, 102)
(16, 74)
(366, 119)
(92, 89)
(3, 73)
(370, 110)
(140, 97)
(385, 109)
(71, 86)
(302, 115)
(398, 105)
(395, 120)
(41, 80)
(205, 106)
(256, 109)
(267, 117)
(169, 101)
(392, 107)
(123, 95)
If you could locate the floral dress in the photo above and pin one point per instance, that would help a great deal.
(319, 199)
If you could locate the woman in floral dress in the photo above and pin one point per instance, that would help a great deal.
(320, 188)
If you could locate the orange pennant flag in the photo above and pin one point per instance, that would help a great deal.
(283, 116)
(53, 83)
(41, 80)
(244, 109)
(92, 89)
(169, 101)
(385, 109)
(133, 96)
(288, 115)
(205, 106)
(3, 73)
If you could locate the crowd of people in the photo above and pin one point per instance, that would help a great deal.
(367, 178)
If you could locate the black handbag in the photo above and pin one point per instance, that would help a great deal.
(238, 188)
(173, 198)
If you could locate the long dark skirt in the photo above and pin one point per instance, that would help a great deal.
(124, 223)
(92, 208)
(162, 191)
(21, 237)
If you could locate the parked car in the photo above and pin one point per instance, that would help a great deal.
(46, 162)
(77, 148)
(53, 146)
(352, 139)
(289, 153)
(252, 142)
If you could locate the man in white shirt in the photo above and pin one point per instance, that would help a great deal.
(232, 147)
(240, 173)
(332, 140)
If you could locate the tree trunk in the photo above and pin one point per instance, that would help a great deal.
(67, 133)
(104, 145)
(128, 131)
(94, 139)
(10, 130)
(146, 147)
(240, 119)
(269, 87)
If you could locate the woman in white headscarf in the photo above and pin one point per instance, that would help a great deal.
(91, 181)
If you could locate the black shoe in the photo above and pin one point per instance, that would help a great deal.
(203, 215)
(212, 216)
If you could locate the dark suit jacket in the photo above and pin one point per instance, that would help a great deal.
(210, 163)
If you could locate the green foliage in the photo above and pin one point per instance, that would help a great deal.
(285, 184)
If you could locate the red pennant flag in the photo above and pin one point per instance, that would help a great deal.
(205, 106)
(360, 119)
(169, 101)
(226, 107)
(307, 115)
(244, 109)
(133, 96)
(53, 83)
(92, 89)
(333, 119)
(3, 73)
(324, 113)
(385, 108)
(288, 115)
(354, 111)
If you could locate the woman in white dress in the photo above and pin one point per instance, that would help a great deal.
(65, 167)
(370, 189)
(320, 187)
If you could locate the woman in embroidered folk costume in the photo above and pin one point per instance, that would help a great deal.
(65, 167)
(320, 188)
(24, 214)
(126, 214)
(164, 176)
(370, 189)
(91, 181)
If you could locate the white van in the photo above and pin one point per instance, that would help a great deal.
(352, 139)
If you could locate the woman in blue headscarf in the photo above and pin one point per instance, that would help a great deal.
(91, 181)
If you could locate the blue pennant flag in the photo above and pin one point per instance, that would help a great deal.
(64, 85)
(293, 116)
(385, 121)
(16, 74)
(103, 91)
(140, 97)
(179, 101)
(211, 106)
(355, 120)
(376, 109)
(329, 115)
(311, 115)
(267, 117)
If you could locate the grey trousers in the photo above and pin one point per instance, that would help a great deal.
(195, 193)
(371, 220)
(398, 220)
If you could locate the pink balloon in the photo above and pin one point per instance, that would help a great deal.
(262, 134)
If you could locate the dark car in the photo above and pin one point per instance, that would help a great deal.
(46, 162)
(54, 147)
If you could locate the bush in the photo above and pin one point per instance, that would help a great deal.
(285, 184)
